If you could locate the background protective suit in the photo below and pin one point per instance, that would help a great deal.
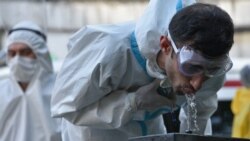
(25, 116)
(241, 106)
(94, 91)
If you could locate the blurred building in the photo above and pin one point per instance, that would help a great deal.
(61, 18)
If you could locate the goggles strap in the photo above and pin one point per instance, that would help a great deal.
(172, 43)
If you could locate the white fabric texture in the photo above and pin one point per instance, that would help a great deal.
(97, 95)
(25, 116)
(95, 86)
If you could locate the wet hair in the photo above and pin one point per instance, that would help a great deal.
(204, 27)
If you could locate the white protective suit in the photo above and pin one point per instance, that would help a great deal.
(25, 116)
(103, 69)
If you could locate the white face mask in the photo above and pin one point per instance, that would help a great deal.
(22, 68)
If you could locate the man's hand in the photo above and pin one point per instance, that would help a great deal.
(147, 97)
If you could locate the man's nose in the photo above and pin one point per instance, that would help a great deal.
(196, 81)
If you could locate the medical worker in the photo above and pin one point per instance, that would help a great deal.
(25, 95)
(107, 87)
(241, 106)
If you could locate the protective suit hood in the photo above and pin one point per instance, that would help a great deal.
(152, 25)
(32, 35)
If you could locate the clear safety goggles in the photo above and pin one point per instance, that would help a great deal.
(191, 62)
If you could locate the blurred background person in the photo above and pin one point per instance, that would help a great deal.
(25, 95)
(241, 106)
(2, 58)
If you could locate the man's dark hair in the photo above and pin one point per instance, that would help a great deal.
(204, 27)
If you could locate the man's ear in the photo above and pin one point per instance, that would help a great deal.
(165, 44)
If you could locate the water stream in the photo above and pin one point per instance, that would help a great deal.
(192, 125)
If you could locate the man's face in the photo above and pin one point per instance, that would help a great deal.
(20, 49)
(181, 83)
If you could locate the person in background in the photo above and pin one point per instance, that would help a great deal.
(2, 58)
(240, 106)
(25, 95)
(117, 80)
